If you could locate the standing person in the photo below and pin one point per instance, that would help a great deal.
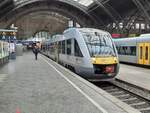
(36, 51)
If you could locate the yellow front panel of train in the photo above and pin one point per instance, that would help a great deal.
(105, 60)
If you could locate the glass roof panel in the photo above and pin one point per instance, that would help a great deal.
(84, 2)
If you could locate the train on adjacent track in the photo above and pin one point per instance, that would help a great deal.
(134, 50)
(88, 52)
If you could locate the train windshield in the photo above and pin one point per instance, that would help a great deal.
(99, 44)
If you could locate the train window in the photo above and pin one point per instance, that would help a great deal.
(141, 52)
(121, 50)
(127, 50)
(77, 50)
(69, 47)
(63, 47)
(60, 47)
(48, 47)
(133, 50)
(146, 53)
(51, 47)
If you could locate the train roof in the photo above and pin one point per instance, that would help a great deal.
(60, 37)
(92, 30)
(125, 39)
(145, 35)
(56, 37)
(86, 30)
(132, 41)
(141, 37)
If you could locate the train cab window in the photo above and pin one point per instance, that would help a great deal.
(77, 50)
(146, 53)
(141, 52)
(63, 47)
(69, 47)
(99, 44)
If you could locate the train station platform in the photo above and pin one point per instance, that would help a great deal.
(137, 76)
(42, 86)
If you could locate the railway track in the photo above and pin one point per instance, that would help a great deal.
(129, 94)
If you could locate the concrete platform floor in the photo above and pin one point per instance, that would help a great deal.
(30, 86)
(135, 75)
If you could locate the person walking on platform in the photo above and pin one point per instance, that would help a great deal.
(36, 51)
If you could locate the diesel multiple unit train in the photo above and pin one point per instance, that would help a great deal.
(89, 52)
(134, 50)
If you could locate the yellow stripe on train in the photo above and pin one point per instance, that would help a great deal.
(106, 60)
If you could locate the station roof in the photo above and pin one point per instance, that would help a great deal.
(84, 2)
(94, 12)
(88, 13)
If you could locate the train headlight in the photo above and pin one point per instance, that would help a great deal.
(109, 69)
(93, 60)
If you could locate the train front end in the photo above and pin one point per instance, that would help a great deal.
(104, 67)
(103, 55)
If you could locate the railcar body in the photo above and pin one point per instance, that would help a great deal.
(89, 52)
(134, 50)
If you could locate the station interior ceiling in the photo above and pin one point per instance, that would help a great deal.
(41, 21)
(32, 16)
